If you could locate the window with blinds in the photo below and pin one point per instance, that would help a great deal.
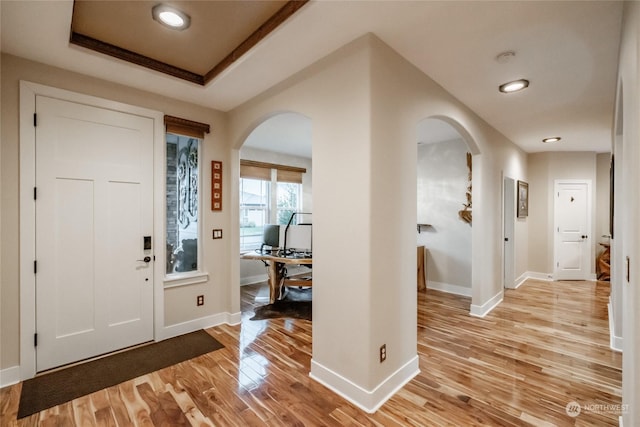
(269, 194)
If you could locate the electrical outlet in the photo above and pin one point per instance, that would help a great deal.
(383, 353)
(200, 300)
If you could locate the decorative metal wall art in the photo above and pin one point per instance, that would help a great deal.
(465, 214)
(188, 184)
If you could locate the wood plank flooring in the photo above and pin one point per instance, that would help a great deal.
(544, 346)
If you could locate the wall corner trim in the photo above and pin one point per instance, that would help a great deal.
(519, 281)
(484, 309)
(546, 277)
(367, 400)
(615, 342)
(9, 376)
(449, 288)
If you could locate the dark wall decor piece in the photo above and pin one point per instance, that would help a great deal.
(612, 170)
(523, 199)
(465, 214)
(216, 185)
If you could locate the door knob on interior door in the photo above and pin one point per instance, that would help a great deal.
(585, 236)
(146, 259)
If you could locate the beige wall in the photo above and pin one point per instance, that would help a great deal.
(628, 234)
(442, 187)
(179, 302)
(365, 102)
(544, 168)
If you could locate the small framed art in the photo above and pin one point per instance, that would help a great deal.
(216, 185)
(523, 199)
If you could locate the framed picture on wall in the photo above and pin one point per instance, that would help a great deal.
(523, 199)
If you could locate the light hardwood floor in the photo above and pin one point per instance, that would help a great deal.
(544, 346)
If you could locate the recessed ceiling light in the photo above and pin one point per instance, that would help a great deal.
(552, 139)
(171, 17)
(514, 86)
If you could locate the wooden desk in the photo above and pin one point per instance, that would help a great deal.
(277, 266)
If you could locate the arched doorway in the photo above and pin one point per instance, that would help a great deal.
(275, 181)
(445, 204)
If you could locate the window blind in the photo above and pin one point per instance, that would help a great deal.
(185, 127)
(261, 170)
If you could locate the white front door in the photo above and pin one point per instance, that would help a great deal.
(94, 179)
(572, 230)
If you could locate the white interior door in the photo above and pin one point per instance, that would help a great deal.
(94, 179)
(573, 227)
(509, 217)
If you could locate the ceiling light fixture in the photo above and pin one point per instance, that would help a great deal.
(505, 57)
(514, 86)
(551, 139)
(171, 17)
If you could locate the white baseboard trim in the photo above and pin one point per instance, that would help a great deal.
(620, 421)
(367, 400)
(9, 376)
(484, 309)
(519, 281)
(233, 318)
(262, 297)
(546, 277)
(448, 288)
(200, 323)
(250, 280)
(615, 342)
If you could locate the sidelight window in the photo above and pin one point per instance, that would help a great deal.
(183, 203)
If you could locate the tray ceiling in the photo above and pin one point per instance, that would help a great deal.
(220, 33)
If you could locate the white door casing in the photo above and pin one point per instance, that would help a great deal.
(121, 314)
(509, 217)
(572, 230)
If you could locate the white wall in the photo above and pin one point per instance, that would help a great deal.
(629, 232)
(442, 186)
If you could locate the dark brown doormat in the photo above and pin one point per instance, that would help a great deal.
(67, 384)
(296, 304)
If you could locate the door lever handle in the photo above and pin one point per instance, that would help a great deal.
(146, 259)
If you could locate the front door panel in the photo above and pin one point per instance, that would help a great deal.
(94, 177)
